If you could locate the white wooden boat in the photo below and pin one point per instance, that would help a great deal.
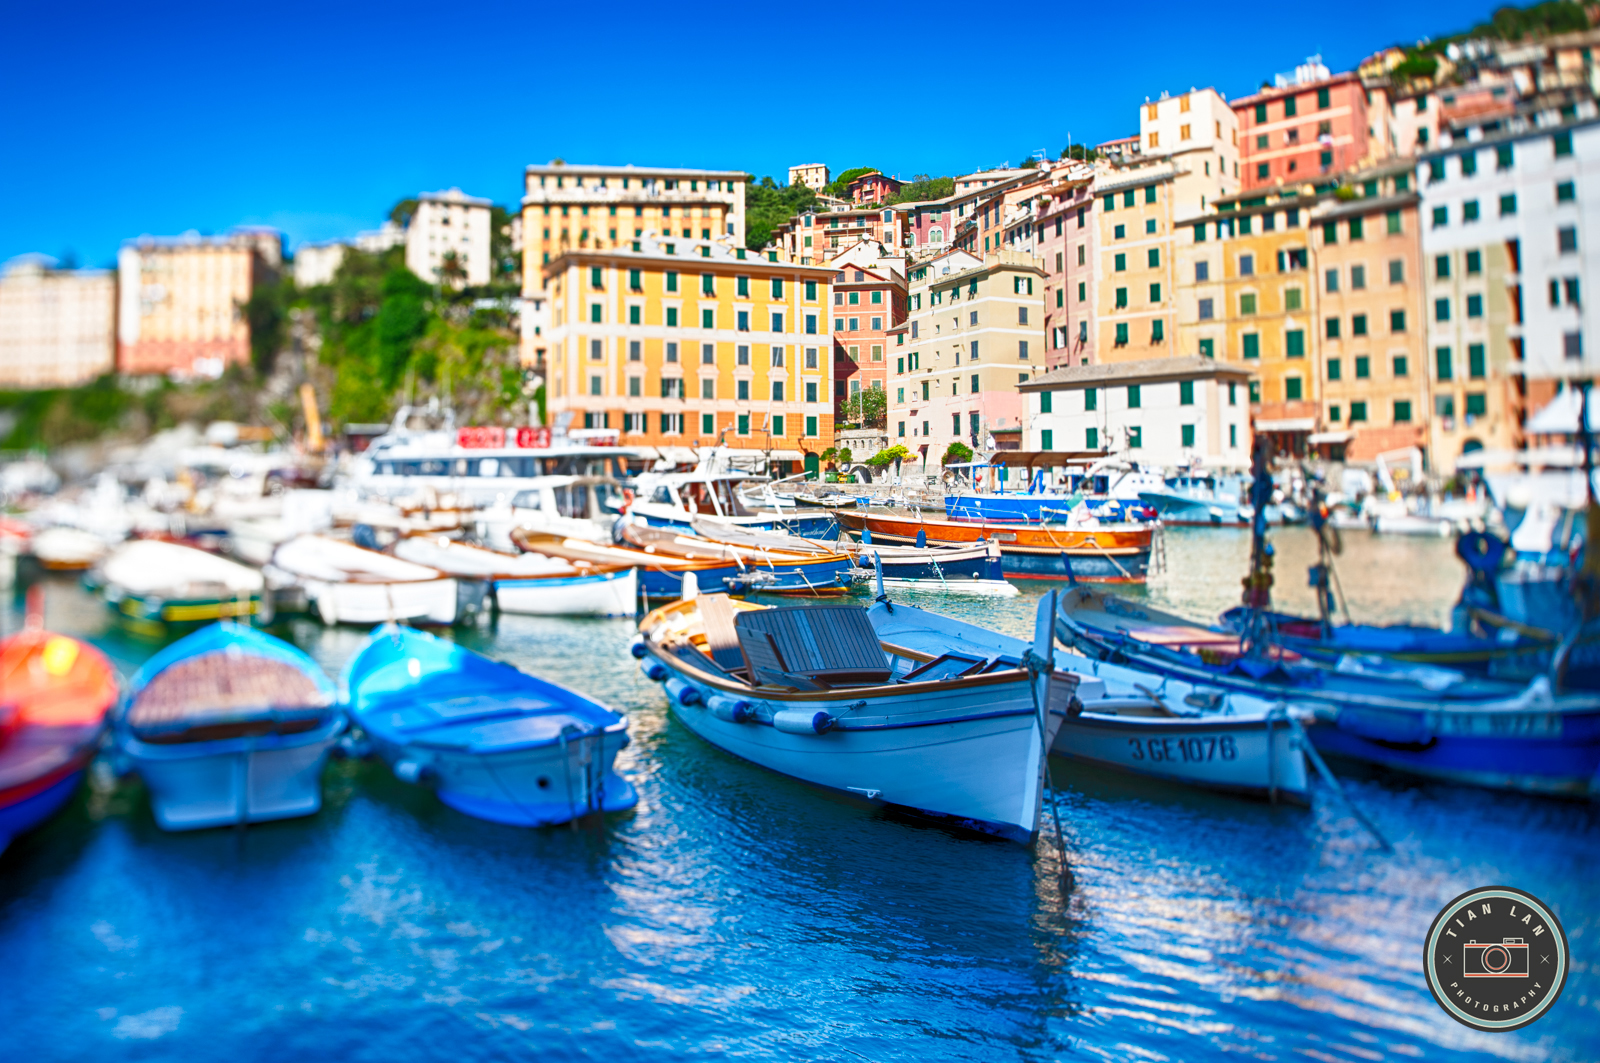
(1138, 722)
(530, 584)
(347, 584)
(155, 586)
(67, 549)
(813, 693)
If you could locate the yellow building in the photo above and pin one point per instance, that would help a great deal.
(1134, 278)
(684, 342)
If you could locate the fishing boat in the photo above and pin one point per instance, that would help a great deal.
(762, 566)
(348, 584)
(1107, 489)
(530, 584)
(1219, 499)
(1432, 722)
(228, 726)
(1092, 552)
(956, 569)
(493, 742)
(154, 587)
(54, 695)
(714, 566)
(578, 507)
(65, 549)
(813, 693)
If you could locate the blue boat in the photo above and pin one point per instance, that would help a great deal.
(1106, 490)
(227, 726)
(493, 742)
(1212, 500)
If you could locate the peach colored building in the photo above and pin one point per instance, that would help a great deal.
(812, 238)
(867, 305)
(872, 188)
(813, 175)
(57, 326)
(1302, 133)
(182, 300)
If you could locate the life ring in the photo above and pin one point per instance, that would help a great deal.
(627, 499)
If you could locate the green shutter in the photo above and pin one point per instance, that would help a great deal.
(1133, 396)
(1294, 343)
(1188, 435)
(1252, 345)
(1044, 404)
(1186, 393)
(1047, 440)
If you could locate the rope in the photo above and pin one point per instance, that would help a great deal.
(1037, 666)
(1312, 755)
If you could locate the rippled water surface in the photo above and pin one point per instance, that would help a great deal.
(737, 913)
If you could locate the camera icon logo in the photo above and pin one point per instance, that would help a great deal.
(1509, 959)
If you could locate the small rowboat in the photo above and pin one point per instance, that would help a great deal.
(813, 693)
(154, 587)
(229, 725)
(494, 742)
(64, 549)
(1114, 553)
(349, 584)
(530, 584)
(54, 695)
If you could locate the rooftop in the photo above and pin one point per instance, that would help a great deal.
(687, 255)
(1147, 371)
(642, 171)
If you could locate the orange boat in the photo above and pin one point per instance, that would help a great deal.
(1115, 553)
(55, 692)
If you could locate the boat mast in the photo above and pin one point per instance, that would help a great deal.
(1258, 584)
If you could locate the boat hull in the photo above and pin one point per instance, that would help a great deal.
(978, 767)
(22, 812)
(423, 601)
(613, 593)
(194, 785)
(807, 525)
(1235, 755)
(1088, 555)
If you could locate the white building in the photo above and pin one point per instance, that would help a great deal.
(1169, 412)
(316, 264)
(57, 327)
(449, 223)
(1199, 132)
(811, 174)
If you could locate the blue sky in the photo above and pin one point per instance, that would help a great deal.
(314, 118)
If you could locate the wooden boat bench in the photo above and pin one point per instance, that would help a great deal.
(818, 646)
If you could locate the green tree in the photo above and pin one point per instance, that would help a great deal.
(840, 188)
(868, 408)
(956, 453)
(401, 320)
(768, 205)
(505, 265)
(922, 188)
(402, 212)
(268, 314)
(887, 457)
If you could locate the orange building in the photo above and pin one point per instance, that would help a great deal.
(1303, 133)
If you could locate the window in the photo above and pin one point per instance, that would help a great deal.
(1358, 278)
(741, 390)
(1150, 194)
(1153, 258)
(595, 312)
(1402, 411)
(1358, 412)
(1247, 265)
(900, 429)
(708, 388)
(1119, 232)
(1252, 345)
(1186, 393)
(974, 390)
(1202, 271)
(1330, 232)
(1091, 400)
(1363, 367)
(1188, 435)
(1474, 306)
(1247, 303)
(1022, 316)
(672, 352)
(742, 354)
(672, 317)
(1119, 263)
(1441, 217)
(708, 318)
(777, 322)
(1335, 370)
(1392, 220)
(1469, 163)
(1441, 363)
(1122, 333)
(595, 384)
(1150, 226)
(1158, 331)
(1155, 295)
(1566, 192)
(1091, 439)
(1441, 310)
(634, 315)
(1477, 368)
(1469, 210)
(1358, 324)
(1294, 343)
(1572, 344)
(1401, 366)
(1135, 437)
(742, 320)
(1127, 198)
(1331, 281)
(1508, 205)
(777, 392)
(1291, 388)
(811, 297)
(1477, 404)
(1441, 267)
(1357, 229)
(743, 424)
(1122, 298)
(1047, 439)
(635, 385)
(597, 350)
(672, 280)
(1567, 239)
(1263, 170)
(1261, 112)
(1207, 310)
(671, 387)
(635, 354)
(741, 287)
(1397, 271)
(1474, 263)
(1562, 143)
(1291, 299)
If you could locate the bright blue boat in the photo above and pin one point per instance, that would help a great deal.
(229, 726)
(492, 741)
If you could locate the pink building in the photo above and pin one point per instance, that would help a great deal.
(873, 187)
(812, 238)
(1302, 133)
(1066, 242)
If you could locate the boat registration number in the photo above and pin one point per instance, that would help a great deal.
(1501, 724)
(1186, 750)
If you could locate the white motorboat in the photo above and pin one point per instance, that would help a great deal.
(154, 584)
(573, 507)
(813, 693)
(532, 584)
(69, 549)
(347, 584)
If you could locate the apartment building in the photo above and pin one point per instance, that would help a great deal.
(1506, 245)
(687, 342)
(57, 326)
(813, 237)
(1372, 340)
(1068, 246)
(872, 188)
(181, 300)
(1304, 130)
(447, 241)
(1134, 278)
(869, 304)
(974, 334)
(937, 225)
(811, 174)
(1200, 133)
(1170, 412)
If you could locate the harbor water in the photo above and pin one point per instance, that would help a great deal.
(737, 913)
